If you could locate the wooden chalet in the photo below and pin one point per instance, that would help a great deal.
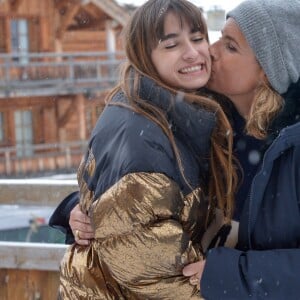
(58, 58)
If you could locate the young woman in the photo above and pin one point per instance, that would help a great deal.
(256, 64)
(153, 172)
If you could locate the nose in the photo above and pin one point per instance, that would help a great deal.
(190, 52)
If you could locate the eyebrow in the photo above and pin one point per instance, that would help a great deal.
(169, 36)
(174, 35)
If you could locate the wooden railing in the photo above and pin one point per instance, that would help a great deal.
(41, 158)
(44, 74)
(29, 271)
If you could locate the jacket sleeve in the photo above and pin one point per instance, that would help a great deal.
(140, 246)
(269, 274)
(61, 215)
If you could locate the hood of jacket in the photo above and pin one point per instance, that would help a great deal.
(290, 113)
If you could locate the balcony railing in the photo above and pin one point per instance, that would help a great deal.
(46, 74)
(29, 271)
(29, 159)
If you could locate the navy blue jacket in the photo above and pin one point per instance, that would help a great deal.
(266, 263)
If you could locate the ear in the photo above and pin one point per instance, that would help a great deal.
(263, 79)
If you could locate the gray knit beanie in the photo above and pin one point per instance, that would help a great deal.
(272, 29)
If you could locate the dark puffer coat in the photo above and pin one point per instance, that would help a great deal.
(266, 262)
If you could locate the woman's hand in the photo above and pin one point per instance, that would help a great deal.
(194, 271)
(81, 227)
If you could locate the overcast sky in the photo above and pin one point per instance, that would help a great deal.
(206, 4)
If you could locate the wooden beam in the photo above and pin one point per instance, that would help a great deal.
(112, 9)
(7, 35)
(14, 5)
(80, 104)
(64, 4)
(90, 9)
(31, 256)
(59, 4)
(63, 120)
(67, 19)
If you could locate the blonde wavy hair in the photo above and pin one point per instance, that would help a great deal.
(141, 36)
(266, 105)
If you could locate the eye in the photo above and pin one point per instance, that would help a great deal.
(230, 47)
(198, 39)
(170, 46)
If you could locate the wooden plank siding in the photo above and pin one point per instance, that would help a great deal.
(57, 118)
(28, 284)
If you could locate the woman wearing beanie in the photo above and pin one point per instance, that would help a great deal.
(256, 64)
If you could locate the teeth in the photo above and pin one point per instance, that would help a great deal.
(192, 69)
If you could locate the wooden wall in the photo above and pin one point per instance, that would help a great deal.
(55, 119)
(56, 26)
(28, 284)
(29, 271)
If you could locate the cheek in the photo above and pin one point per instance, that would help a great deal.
(226, 79)
(247, 76)
(205, 48)
(225, 76)
(238, 80)
(205, 51)
(154, 59)
(163, 70)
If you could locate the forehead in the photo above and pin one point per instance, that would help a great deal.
(232, 31)
(233, 34)
(174, 23)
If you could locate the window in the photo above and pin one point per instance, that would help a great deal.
(19, 39)
(24, 133)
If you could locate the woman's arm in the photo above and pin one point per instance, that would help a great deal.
(69, 219)
(61, 215)
(232, 274)
(139, 244)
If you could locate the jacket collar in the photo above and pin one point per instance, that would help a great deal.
(290, 114)
(189, 120)
(284, 133)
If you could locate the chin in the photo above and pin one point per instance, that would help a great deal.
(212, 87)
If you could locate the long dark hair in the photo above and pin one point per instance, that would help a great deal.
(141, 36)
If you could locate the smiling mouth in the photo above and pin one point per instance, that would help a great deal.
(192, 69)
